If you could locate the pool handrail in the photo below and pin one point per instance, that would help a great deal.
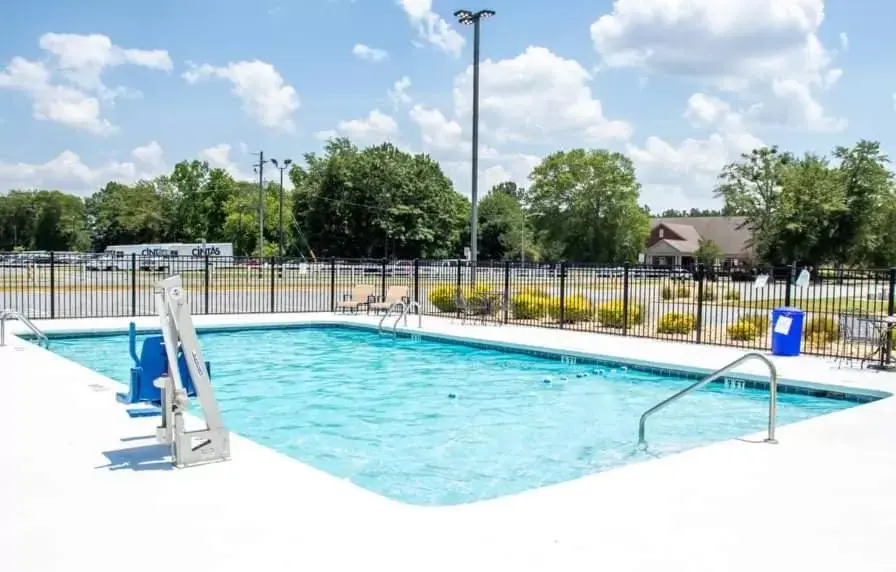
(772, 394)
(404, 314)
(16, 315)
(400, 305)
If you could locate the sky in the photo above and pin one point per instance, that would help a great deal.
(103, 90)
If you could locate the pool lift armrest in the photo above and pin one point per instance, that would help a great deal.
(178, 332)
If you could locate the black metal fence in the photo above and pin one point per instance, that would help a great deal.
(844, 308)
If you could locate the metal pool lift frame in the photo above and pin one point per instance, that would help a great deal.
(178, 332)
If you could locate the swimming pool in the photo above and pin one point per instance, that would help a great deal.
(433, 423)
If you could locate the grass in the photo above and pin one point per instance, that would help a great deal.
(816, 305)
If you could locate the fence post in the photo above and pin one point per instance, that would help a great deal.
(625, 295)
(562, 293)
(891, 309)
(133, 284)
(273, 284)
(52, 284)
(205, 285)
(700, 286)
(788, 291)
(383, 280)
(332, 284)
(506, 289)
(457, 290)
(417, 283)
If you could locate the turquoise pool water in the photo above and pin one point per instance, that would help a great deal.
(433, 423)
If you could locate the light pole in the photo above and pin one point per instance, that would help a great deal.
(259, 168)
(473, 19)
(281, 168)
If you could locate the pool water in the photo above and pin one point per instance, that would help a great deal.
(433, 423)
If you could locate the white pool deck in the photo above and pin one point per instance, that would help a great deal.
(824, 498)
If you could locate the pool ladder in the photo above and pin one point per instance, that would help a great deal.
(403, 310)
(16, 315)
(772, 394)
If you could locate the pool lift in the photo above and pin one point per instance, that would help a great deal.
(179, 334)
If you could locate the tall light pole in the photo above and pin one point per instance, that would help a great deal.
(259, 168)
(473, 19)
(281, 168)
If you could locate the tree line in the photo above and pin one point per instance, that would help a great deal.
(380, 201)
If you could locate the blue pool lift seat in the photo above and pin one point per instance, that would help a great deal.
(151, 364)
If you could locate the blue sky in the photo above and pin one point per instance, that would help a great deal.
(103, 90)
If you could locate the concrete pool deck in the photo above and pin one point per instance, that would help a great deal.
(82, 487)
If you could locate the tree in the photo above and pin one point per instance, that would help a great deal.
(585, 205)
(708, 252)
(804, 224)
(867, 186)
(126, 214)
(504, 228)
(511, 189)
(752, 186)
(379, 201)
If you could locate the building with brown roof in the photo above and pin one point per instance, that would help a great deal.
(675, 241)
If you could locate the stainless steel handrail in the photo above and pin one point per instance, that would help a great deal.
(13, 314)
(404, 314)
(772, 394)
(394, 305)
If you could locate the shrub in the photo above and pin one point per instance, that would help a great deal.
(821, 330)
(759, 320)
(575, 309)
(708, 294)
(743, 331)
(610, 314)
(668, 292)
(732, 294)
(444, 297)
(683, 291)
(529, 305)
(676, 323)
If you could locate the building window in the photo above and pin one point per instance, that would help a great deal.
(661, 232)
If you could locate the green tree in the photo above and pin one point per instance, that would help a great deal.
(585, 205)
(379, 201)
(752, 187)
(504, 228)
(804, 224)
(708, 252)
(866, 186)
(126, 214)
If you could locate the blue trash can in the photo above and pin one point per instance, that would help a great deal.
(787, 331)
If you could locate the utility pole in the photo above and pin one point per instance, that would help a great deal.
(259, 168)
(281, 168)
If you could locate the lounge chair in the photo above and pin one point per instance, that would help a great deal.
(483, 306)
(393, 294)
(362, 295)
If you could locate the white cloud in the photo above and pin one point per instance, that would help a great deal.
(685, 174)
(68, 173)
(537, 96)
(431, 27)
(369, 54)
(151, 155)
(844, 41)
(78, 61)
(82, 58)
(218, 157)
(266, 97)
(376, 128)
(399, 92)
(738, 45)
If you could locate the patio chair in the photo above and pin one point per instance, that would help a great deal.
(361, 295)
(481, 307)
(858, 329)
(393, 294)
